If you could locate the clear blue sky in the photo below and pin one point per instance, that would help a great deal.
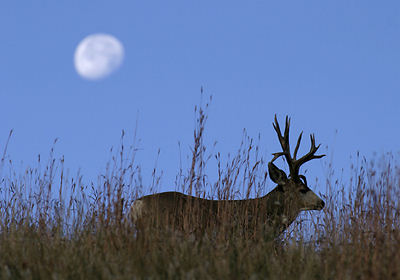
(330, 65)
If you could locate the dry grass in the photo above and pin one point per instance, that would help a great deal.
(53, 226)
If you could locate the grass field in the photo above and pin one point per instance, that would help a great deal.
(53, 226)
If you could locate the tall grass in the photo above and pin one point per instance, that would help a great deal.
(54, 226)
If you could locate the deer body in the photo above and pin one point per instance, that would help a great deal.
(272, 213)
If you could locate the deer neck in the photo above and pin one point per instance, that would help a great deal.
(280, 208)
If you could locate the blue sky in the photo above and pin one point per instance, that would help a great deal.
(333, 66)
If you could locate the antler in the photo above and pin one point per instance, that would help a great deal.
(294, 165)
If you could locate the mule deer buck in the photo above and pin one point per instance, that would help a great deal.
(271, 214)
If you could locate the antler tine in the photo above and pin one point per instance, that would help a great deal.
(277, 128)
(286, 133)
(284, 141)
(277, 155)
(309, 156)
(297, 146)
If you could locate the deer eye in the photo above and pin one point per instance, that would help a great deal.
(303, 190)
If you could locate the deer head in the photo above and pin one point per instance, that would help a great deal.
(295, 192)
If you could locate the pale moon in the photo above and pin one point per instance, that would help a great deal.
(98, 55)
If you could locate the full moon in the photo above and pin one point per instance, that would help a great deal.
(97, 56)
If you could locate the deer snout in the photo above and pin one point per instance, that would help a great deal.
(321, 205)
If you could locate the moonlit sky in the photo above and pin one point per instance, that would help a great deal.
(333, 66)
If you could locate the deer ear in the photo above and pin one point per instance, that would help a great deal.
(277, 175)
